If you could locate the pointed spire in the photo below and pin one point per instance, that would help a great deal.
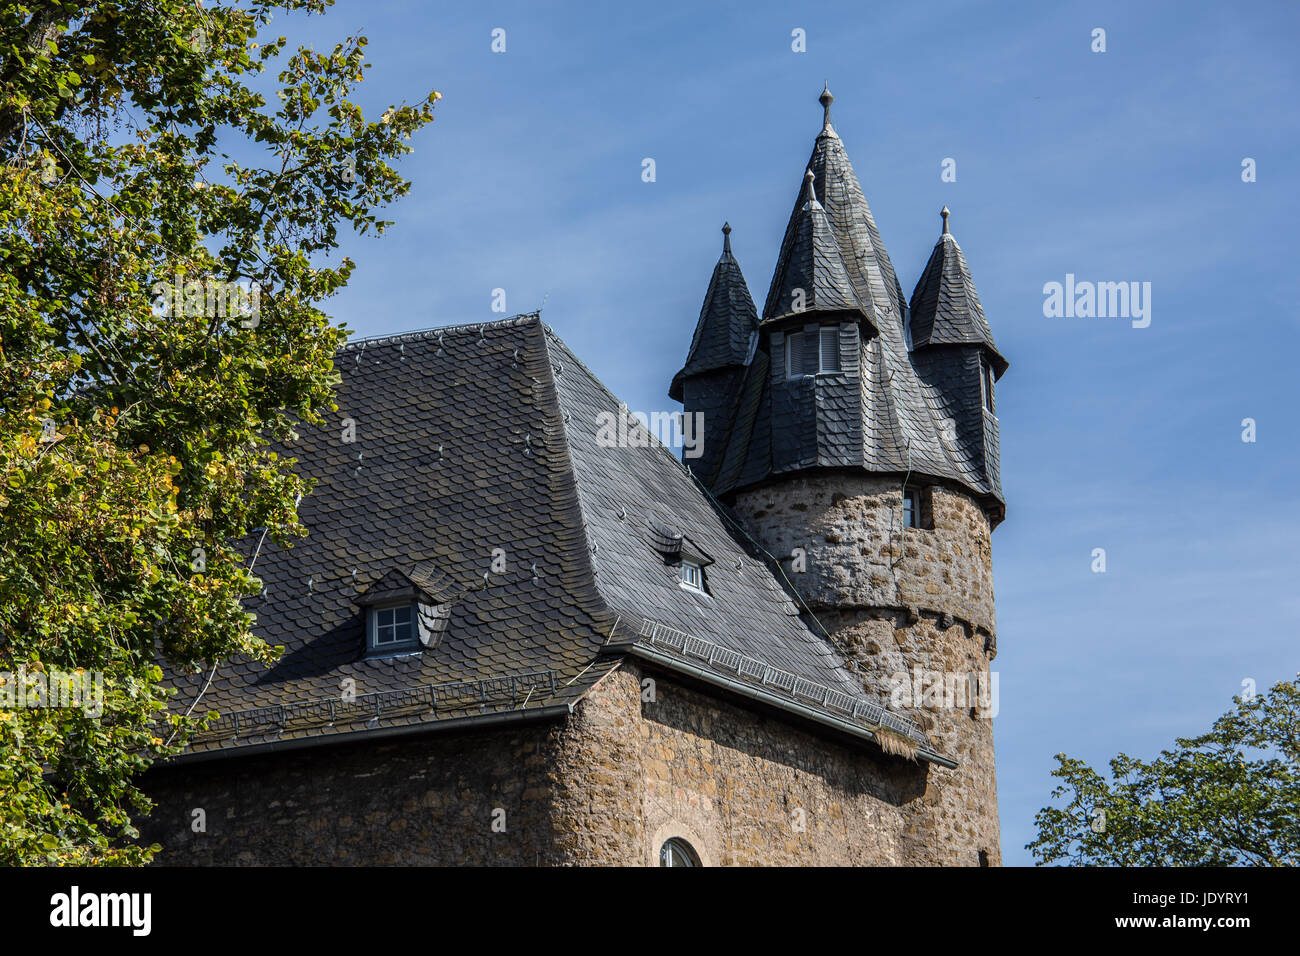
(945, 307)
(727, 324)
(861, 253)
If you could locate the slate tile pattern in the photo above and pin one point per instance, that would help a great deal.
(946, 308)
(468, 440)
(728, 322)
(906, 421)
(630, 497)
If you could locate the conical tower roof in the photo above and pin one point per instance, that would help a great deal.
(861, 250)
(945, 306)
(811, 276)
(725, 333)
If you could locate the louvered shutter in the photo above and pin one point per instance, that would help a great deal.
(830, 349)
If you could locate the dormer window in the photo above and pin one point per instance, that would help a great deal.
(391, 629)
(407, 611)
(794, 355)
(692, 575)
(392, 626)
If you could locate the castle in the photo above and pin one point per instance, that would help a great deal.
(510, 639)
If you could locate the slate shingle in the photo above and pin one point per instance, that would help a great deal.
(888, 419)
(468, 440)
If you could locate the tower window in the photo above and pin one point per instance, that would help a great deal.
(986, 374)
(677, 852)
(692, 575)
(917, 507)
(816, 351)
(830, 350)
(911, 508)
(794, 355)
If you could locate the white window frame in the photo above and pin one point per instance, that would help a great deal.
(986, 384)
(692, 575)
(411, 640)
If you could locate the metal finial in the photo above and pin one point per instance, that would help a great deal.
(810, 180)
(826, 99)
(726, 237)
(944, 212)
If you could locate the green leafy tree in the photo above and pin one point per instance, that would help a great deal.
(1226, 798)
(171, 189)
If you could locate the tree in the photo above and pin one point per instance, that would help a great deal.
(165, 238)
(1229, 797)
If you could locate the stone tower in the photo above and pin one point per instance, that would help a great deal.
(854, 436)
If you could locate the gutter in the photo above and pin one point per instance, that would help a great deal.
(473, 721)
(752, 692)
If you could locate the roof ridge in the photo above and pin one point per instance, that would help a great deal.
(418, 335)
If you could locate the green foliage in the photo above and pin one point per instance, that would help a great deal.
(135, 424)
(1229, 797)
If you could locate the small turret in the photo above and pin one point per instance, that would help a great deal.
(953, 351)
(721, 350)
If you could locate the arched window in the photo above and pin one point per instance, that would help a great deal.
(677, 852)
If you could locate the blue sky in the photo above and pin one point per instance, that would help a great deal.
(1115, 166)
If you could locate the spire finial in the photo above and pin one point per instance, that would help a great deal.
(810, 182)
(944, 212)
(826, 99)
(726, 237)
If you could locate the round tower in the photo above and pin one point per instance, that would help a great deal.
(912, 605)
(860, 448)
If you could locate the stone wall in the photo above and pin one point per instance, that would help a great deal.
(428, 800)
(606, 786)
(750, 790)
(914, 609)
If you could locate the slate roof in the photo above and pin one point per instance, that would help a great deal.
(728, 323)
(945, 307)
(893, 421)
(811, 275)
(482, 442)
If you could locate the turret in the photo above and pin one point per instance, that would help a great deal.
(954, 353)
(721, 351)
(875, 480)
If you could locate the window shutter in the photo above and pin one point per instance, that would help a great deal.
(793, 355)
(810, 350)
(830, 349)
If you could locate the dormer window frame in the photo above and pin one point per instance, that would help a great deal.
(791, 358)
(692, 576)
(382, 610)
